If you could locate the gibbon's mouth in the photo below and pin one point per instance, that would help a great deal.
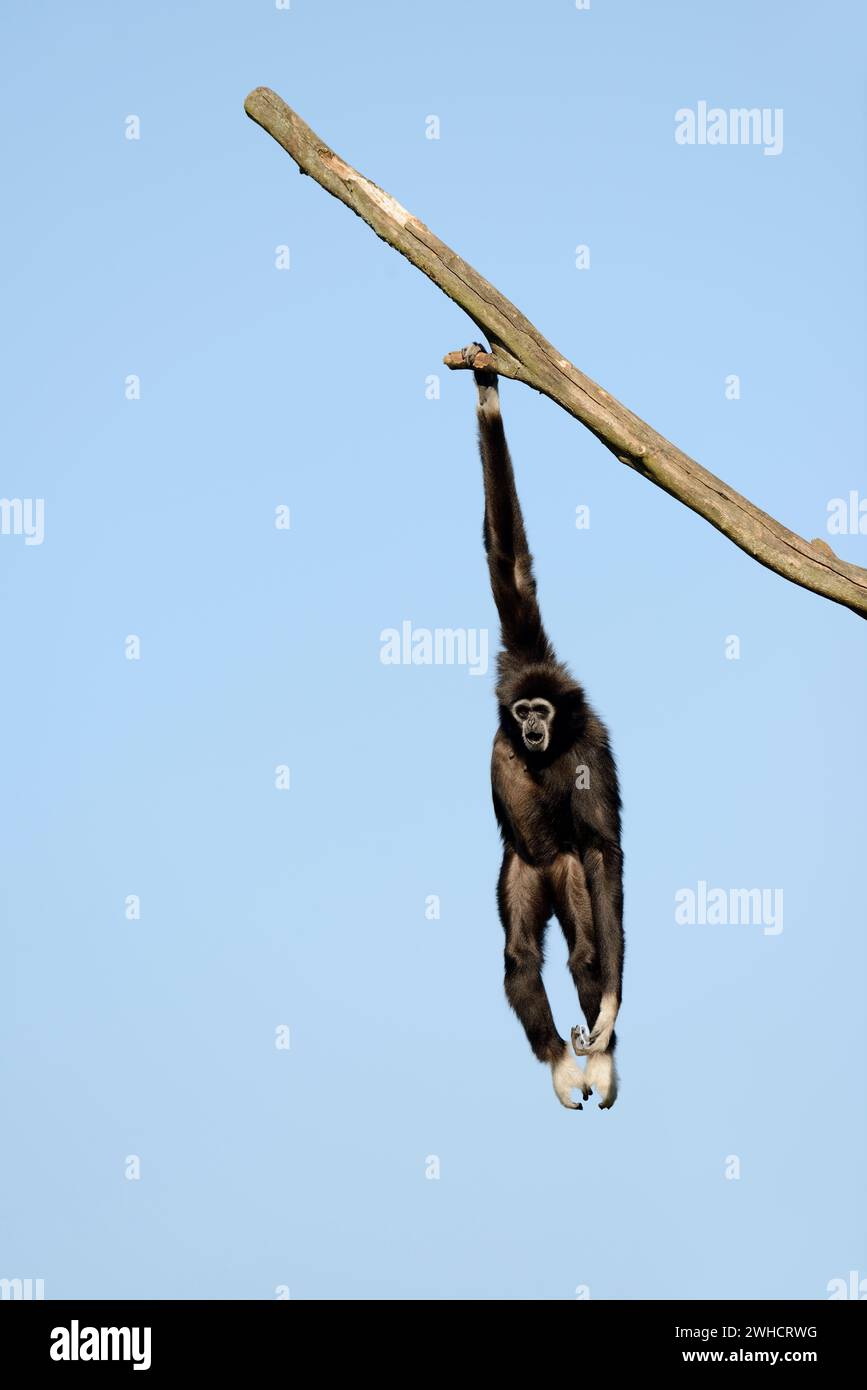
(534, 739)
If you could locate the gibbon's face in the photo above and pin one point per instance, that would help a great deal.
(535, 717)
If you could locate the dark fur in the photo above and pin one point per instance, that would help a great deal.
(562, 851)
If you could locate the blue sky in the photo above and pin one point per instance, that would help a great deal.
(261, 1167)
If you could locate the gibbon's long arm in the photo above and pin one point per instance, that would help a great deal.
(521, 352)
(510, 563)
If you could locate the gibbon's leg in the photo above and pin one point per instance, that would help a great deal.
(523, 900)
(603, 869)
(574, 910)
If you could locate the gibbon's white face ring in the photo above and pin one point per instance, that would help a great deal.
(535, 716)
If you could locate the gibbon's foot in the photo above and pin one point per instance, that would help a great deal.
(567, 1077)
(599, 1039)
(602, 1073)
(587, 1045)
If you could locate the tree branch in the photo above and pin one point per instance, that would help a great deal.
(519, 351)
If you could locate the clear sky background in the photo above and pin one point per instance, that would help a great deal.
(264, 1167)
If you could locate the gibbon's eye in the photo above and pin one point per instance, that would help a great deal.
(521, 710)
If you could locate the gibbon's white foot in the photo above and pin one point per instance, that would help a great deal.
(601, 1073)
(599, 1039)
(567, 1077)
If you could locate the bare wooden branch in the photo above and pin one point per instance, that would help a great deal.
(519, 351)
(483, 361)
